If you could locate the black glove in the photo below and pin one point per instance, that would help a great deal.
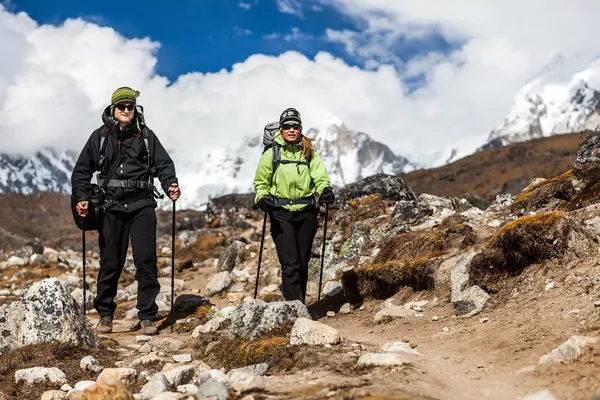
(266, 203)
(327, 197)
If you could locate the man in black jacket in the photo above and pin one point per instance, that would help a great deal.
(129, 202)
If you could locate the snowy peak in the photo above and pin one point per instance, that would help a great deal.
(47, 170)
(350, 156)
(558, 100)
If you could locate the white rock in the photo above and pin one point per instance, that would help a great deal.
(306, 331)
(380, 360)
(66, 387)
(569, 350)
(158, 384)
(399, 347)
(541, 395)
(36, 375)
(188, 389)
(258, 369)
(471, 302)
(391, 313)
(166, 345)
(180, 375)
(15, 261)
(143, 338)
(182, 358)
(251, 320)
(550, 286)
(244, 381)
(54, 395)
(89, 363)
(146, 360)
(217, 283)
(82, 385)
(332, 288)
(346, 309)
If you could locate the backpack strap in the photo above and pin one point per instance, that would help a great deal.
(102, 149)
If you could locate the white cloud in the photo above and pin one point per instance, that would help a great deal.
(293, 7)
(245, 6)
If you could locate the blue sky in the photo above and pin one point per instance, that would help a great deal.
(208, 35)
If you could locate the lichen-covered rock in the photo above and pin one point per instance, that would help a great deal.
(388, 186)
(46, 312)
(586, 167)
(253, 319)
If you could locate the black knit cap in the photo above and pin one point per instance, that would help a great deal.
(290, 115)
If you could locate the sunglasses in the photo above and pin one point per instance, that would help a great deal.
(122, 107)
(287, 127)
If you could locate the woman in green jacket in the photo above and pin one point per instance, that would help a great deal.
(288, 195)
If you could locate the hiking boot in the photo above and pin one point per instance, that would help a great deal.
(148, 328)
(105, 325)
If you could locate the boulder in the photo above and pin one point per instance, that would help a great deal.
(253, 319)
(569, 350)
(46, 312)
(388, 186)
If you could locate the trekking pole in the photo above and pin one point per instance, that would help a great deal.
(173, 266)
(322, 256)
(262, 240)
(83, 255)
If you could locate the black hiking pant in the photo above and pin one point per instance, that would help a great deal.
(293, 234)
(116, 229)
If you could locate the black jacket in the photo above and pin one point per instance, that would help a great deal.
(133, 165)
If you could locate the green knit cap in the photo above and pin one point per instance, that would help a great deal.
(123, 95)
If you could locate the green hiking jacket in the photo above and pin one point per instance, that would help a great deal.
(291, 181)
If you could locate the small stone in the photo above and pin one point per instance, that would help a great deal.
(419, 315)
(244, 381)
(380, 360)
(37, 375)
(418, 309)
(126, 375)
(541, 395)
(362, 308)
(54, 395)
(597, 303)
(445, 329)
(89, 363)
(143, 338)
(484, 320)
(66, 387)
(435, 318)
(330, 314)
(346, 309)
(182, 358)
(550, 286)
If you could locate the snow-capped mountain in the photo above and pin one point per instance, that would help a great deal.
(47, 170)
(348, 155)
(560, 99)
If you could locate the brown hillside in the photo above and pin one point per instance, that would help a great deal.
(502, 170)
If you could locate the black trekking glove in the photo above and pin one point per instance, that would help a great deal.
(327, 197)
(266, 203)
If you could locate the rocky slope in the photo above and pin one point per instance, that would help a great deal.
(424, 297)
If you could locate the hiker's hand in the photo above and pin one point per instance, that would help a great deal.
(82, 208)
(327, 197)
(174, 192)
(267, 203)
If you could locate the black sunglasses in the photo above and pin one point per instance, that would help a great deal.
(287, 127)
(129, 107)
